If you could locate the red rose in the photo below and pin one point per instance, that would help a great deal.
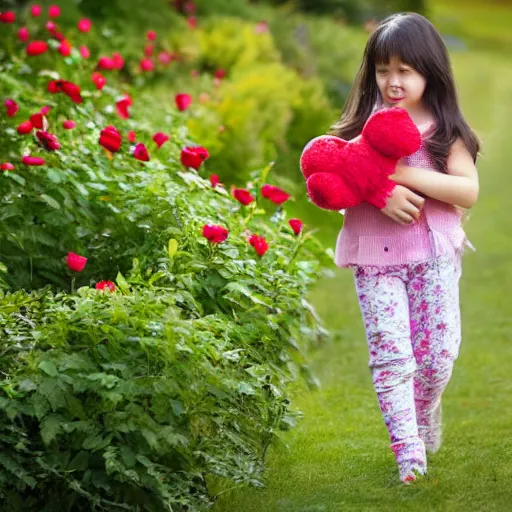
(53, 87)
(37, 121)
(36, 10)
(122, 106)
(65, 48)
(183, 101)
(148, 50)
(160, 138)
(25, 127)
(193, 156)
(165, 58)
(151, 35)
(215, 234)
(192, 21)
(296, 225)
(214, 180)
(105, 63)
(110, 139)
(7, 17)
(243, 196)
(147, 65)
(131, 136)
(23, 34)
(189, 7)
(68, 88)
(106, 285)
(99, 80)
(261, 27)
(75, 262)
(259, 243)
(141, 152)
(275, 194)
(11, 107)
(84, 25)
(84, 52)
(51, 26)
(7, 166)
(48, 141)
(44, 110)
(32, 160)
(54, 11)
(68, 125)
(117, 60)
(220, 74)
(36, 48)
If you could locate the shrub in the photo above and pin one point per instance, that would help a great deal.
(129, 398)
(132, 398)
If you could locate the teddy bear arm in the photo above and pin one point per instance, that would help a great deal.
(329, 191)
(378, 197)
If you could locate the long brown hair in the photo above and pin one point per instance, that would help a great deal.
(415, 41)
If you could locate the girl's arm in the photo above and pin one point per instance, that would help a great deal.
(458, 187)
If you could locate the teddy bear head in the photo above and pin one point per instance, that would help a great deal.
(341, 174)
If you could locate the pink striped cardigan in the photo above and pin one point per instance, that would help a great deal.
(369, 237)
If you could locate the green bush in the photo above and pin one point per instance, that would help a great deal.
(232, 44)
(131, 399)
(261, 103)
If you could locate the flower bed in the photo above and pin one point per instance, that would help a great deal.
(151, 316)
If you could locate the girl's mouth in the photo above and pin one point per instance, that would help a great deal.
(395, 100)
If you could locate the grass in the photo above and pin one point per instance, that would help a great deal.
(338, 456)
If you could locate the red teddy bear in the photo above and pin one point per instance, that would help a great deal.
(340, 174)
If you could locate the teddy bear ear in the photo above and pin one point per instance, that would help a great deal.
(322, 154)
(392, 132)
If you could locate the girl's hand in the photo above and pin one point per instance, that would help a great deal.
(401, 173)
(403, 206)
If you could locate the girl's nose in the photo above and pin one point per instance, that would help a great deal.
(394, 81)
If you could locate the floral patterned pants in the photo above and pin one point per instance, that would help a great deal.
(412, 321)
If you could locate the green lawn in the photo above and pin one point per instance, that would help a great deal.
(338, 457)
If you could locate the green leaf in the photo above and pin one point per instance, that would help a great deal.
(27, 385)
(173, 247)
(40, 404)
(122, 283)
(237, 287)
(13, 467)
(97, 186)
(54, 176)
(49, 368)
(93, 442)
(50, 201)
(16, 177)
(50, 427)
(245, 388)
(82, 189)
(80, 462)
(150, 437)
(127, 455)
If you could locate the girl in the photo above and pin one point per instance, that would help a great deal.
(406, 258)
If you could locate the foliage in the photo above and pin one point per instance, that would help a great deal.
(356, 11)
(130, 399)
(133, 397)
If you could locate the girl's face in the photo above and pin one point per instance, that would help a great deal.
(400, 85)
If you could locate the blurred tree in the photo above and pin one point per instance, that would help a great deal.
(356, 11)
